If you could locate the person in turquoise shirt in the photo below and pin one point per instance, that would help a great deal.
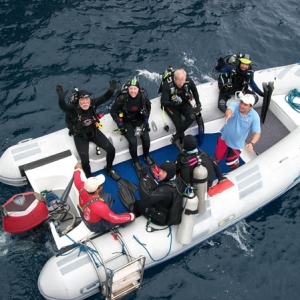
(240, 118)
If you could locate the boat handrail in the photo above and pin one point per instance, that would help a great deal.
(117, 234)
(130, 275)
(102, 262)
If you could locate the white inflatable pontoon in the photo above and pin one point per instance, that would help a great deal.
(113, 263)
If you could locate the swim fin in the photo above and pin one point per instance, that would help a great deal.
(126, 189)
(65, 195)
(128, 184)
(263, 112)
(176, 142)
(126, 193)
(153, 166)
(270, 88)
(138, 167)
(200, 124)
(122, 182)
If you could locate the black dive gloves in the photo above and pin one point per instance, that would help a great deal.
(113, 85)
(122, 128)
(197, 109)
(60, 91)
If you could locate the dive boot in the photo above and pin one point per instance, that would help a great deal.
(149, 160)
(112, 173)
(137, 166)
(176, 142)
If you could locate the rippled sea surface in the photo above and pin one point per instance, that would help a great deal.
(85, 44)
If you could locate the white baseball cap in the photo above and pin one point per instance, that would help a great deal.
(92, 183)
(248, 99)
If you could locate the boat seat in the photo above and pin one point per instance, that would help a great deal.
(284, 112)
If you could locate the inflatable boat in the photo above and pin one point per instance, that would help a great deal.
(113, 263)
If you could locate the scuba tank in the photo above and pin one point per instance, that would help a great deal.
(186, 227)
(200, 176)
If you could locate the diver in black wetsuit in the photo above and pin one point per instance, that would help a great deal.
(236, 77)
(188, 158)
(131, 112)
(161, 202)
(177, 94)
(83, 124)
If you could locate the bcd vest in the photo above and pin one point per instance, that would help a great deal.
(83, 123)
(234, 81)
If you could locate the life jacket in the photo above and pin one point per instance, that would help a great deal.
(236, 80)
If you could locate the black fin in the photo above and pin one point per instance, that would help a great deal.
(126, 194)
(200, 124)
(128, 184)
(264, 109)
(176, 142)
(138, 167)
(64, 196)
(270, 87)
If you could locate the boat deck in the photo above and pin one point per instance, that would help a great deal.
(272, 131)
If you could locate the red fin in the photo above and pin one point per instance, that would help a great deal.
(155, 171)
(220, 187)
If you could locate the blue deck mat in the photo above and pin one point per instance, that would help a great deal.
(126, 170)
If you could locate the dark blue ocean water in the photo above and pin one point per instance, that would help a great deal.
(86, 43)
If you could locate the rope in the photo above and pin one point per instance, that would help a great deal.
(82, 247)
(289, 98)
(144, 246)
(51, 196)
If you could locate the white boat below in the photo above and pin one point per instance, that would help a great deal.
(113, 263)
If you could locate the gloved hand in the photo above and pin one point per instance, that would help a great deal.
(221, 64)
(197, 109)
(146, 125)
(113, 85)
(260, 93)
(132, 217)
(60, 91)
(176, 100)
(122, 128)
